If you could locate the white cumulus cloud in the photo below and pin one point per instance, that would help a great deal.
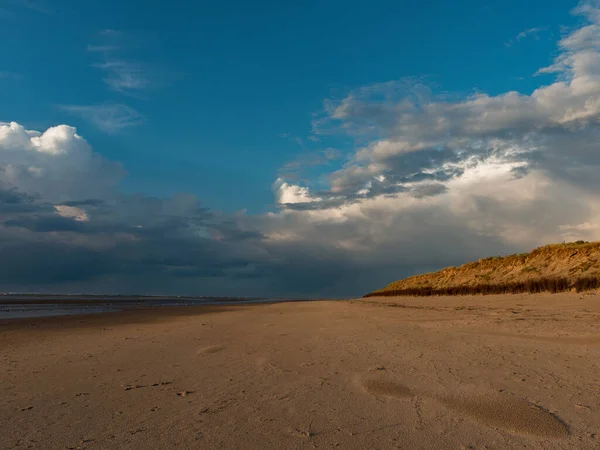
(56, 165)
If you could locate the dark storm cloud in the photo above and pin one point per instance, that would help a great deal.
(13, 202)
(86, 202)
(125, 237)
(41, 224)
(31, 264)
(84, 252)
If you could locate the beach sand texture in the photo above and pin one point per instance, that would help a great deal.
(484, 372)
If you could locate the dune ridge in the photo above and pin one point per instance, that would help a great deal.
(552, 268)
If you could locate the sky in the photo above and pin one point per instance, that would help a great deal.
(314, 148)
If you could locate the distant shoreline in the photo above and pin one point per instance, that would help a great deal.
(109, 318)
(12, 309)
(78, 298)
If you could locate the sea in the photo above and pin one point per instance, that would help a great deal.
(18, 306)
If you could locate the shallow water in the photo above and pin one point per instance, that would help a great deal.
(36, 310)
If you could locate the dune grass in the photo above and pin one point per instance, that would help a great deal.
(552, 285)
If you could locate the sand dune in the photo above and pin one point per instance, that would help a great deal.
(440, 372)
(552, 268)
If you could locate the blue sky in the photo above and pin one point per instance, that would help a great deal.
(227, 80)
(290, 148)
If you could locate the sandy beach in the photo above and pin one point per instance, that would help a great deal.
(483, 372)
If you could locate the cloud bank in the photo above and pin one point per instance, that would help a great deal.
(433, 181)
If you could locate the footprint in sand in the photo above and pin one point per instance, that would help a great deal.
(381, 387)
(510, 413)
(494, 410)
(210, 350)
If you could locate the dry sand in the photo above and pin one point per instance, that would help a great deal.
(497, 372)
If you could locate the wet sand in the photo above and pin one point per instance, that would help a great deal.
(495, 372)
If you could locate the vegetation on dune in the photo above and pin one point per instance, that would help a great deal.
(552, 268)
(552, 285)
